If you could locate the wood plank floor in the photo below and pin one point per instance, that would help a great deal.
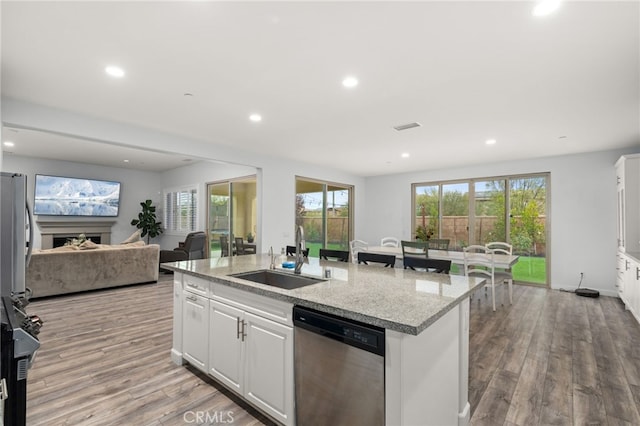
(551, 358)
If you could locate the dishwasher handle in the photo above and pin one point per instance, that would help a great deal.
(354, 333)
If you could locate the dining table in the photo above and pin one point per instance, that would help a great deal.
(503, 261)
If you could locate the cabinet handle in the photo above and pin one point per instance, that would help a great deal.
(192, 298)
(238, 330)
(244, 334)
(637, 273)
(618, 179)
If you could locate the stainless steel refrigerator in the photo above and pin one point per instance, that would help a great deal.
(19, 331)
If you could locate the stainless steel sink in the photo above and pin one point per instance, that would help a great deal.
(277, 279)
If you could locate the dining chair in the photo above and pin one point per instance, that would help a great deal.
(388, 260)
(339, 255)
(291, 251)
(390, 242)
(438, 244)
(224, 246)
(414, 248)
(239, 246)
(500, 247)
(439, 266)
(355, 247)
(479, 262)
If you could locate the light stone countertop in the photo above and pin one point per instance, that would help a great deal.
(392, 298)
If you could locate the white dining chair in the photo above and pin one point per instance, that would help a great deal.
(390, 242)
(356, 246)
(500, 247)
(479, 262)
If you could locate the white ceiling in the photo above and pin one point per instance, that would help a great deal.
(467, 71)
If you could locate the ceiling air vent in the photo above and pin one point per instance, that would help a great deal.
(407, 126)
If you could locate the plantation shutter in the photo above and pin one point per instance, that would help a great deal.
(181, 210)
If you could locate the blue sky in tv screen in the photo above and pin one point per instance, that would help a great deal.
(64, 196)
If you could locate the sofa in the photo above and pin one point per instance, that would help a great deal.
(193, 247)
(71, 269)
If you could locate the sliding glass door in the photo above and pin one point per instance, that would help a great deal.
(528, 226)
(231, 213)
(478, 211)
(323, 210)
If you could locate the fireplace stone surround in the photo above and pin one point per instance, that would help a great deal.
(99, 230)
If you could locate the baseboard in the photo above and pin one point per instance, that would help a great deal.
(176, 357)
(465, 416)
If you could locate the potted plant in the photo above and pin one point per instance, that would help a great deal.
(146, 221)
(249, 237)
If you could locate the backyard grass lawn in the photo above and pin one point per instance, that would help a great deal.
(528, 269)
(531, 269)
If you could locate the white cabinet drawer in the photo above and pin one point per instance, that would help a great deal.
(275, 310)
(196, 285)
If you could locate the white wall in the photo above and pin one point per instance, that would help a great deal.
(582, 211)
(136, 186)
(276, 176)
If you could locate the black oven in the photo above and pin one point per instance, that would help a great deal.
(18, 348)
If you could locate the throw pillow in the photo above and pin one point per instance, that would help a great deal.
(87, 245)
(133, 238)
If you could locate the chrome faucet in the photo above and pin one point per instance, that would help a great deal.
(300, 246)
(272, 265)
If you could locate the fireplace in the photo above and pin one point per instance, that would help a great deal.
(60, 240)
(56, 233)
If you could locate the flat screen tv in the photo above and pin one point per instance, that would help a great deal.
(67, 196)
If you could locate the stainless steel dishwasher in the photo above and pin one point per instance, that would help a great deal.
(339, 370)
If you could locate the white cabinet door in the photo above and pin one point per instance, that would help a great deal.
(633, 282)
(195, 324)
(620, 274)
(226, 346)
(628, 208)
(620, 206)
(176, 348)
(269, 367)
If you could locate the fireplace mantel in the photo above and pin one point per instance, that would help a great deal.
(58, 228)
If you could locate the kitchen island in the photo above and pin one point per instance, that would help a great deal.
(229, 327)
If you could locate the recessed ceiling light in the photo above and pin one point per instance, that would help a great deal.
(350, 82)
(405, 155)
(490, 141)
(255, 118)
(114, 71)
(8, 143)
(125, 161)
(545, 7)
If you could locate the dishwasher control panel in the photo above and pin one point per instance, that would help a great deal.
(350, 332)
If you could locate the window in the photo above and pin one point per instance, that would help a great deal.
(181, 210)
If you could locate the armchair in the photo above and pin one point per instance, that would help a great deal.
(193, 247)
